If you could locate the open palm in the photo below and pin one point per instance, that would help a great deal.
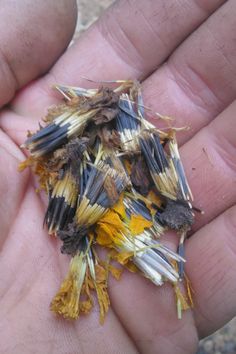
(197, 85)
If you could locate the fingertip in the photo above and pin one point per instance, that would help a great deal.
(39, 32)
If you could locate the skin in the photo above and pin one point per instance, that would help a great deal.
(183, 52)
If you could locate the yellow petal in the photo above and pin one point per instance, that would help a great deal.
(101, 289)
(119, 207)
(123, 257)
(24, 164)
(189, 291)
(138, 224)
(154, 198)
(67, 300)
(181, 301)
(131, 267)
(85, 306)
(101, 274)
(103, 236)
(109, 229)
(115, 272)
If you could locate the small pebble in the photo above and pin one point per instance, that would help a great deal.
(208, 346)
(230, 347)
(219, 342)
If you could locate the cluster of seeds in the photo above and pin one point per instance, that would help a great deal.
(112, 180)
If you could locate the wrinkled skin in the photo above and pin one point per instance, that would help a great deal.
(184, 53)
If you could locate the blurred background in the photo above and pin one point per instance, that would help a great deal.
(224, 340)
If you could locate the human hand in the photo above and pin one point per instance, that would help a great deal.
(184, 54)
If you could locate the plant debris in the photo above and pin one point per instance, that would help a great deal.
(114, 181)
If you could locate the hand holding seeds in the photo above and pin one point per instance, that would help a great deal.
(117, 174)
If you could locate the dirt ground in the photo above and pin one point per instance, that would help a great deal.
(224, 340)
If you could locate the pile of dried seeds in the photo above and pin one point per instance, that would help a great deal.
(113, 180)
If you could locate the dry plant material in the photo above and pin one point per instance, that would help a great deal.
(113, 181)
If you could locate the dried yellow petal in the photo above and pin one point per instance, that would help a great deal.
(109, 229)
(101, 289)
(154, 198)
(123, 257)
(116, 272)
(119, 207)
(138, 224)
(66, 301)
(181, 301)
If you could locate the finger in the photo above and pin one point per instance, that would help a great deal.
(129, 41)
(209, 159)
(12, 184)
(17, 126)
(211, 266)
(38, 33)
(199, 79)
(149, 315)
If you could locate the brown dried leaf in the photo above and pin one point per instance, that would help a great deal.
(140, 176)
(109, 137)
(104, 98)
(105, 115)
(110, 188)
(55, 111)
